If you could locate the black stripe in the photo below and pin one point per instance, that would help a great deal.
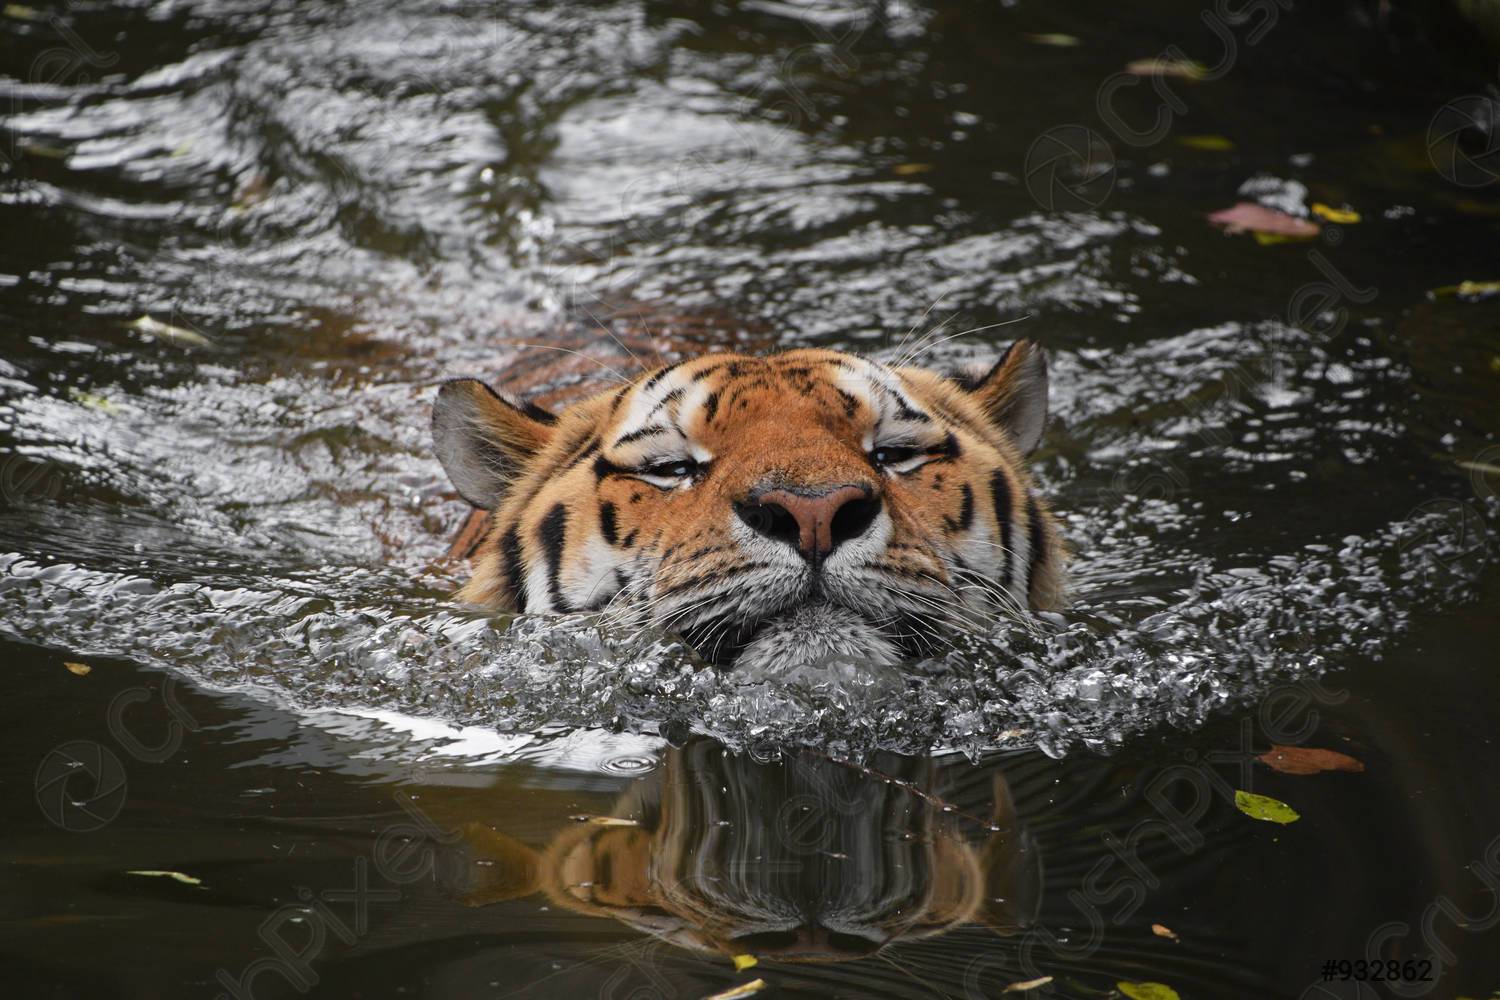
(906, 412)
(666, 401)
(604, 467)
(607, 523)
(515, 573)
(552, 533)
(591, 446)
(538, 414)
(965, 512)
(642, 432)
(1000, 497)
(710, 407)
(948, 449)
(655, 380)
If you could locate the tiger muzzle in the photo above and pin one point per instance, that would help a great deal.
(813, 521)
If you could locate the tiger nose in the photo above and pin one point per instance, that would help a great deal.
(815, 522)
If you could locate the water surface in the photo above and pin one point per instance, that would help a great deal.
(1271, 462)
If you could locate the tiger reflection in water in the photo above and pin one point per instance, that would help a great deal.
(799, 859)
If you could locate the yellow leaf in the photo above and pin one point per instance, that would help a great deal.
(174, 876)
(1478, 289)
(743, 962)
(1029, 984)
(749, 989)
(1055, 38)
(1271, 239)
(165, 331)
(1147, 991)
(611, 821)
(93, 401)
(1264, 807)
(1207, 143)
(1341, 216)
(908, 169)
(81, 669)
(22, 13)
(1162, 930)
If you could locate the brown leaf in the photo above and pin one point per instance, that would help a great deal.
(1307, 760)
(81, 669)
(1162, 930)
(1248, 217)
(1182, 69)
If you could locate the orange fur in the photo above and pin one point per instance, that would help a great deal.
(581, 527)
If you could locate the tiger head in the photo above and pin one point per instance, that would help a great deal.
(806, 505)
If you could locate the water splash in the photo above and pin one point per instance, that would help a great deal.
(1090, 679)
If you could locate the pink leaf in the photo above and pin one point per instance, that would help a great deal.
(1248, 217)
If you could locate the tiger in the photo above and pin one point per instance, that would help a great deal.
(845, 863)
(776, 509)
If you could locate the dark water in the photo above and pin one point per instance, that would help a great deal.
(1276, 466)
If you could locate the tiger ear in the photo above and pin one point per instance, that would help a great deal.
(483, 439)
(1013, 392)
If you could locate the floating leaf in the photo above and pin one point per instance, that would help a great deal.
(81, 669)
(22, 13)
(31, 148)
(1307, 760)
(1147, 991)
(1264, 807)
(93, 401)
(1340, 216)
(749, 989)
(1470, 291)
(1182, 69)
(743, 962)
(908, 169)
(611, 821)
(1029, 984)
(1162, 930)
(174, 876)
(1056, 39)
(1207, 143)
(165, 331)
(251, 193)
(1484, 467)
(1249, 217)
